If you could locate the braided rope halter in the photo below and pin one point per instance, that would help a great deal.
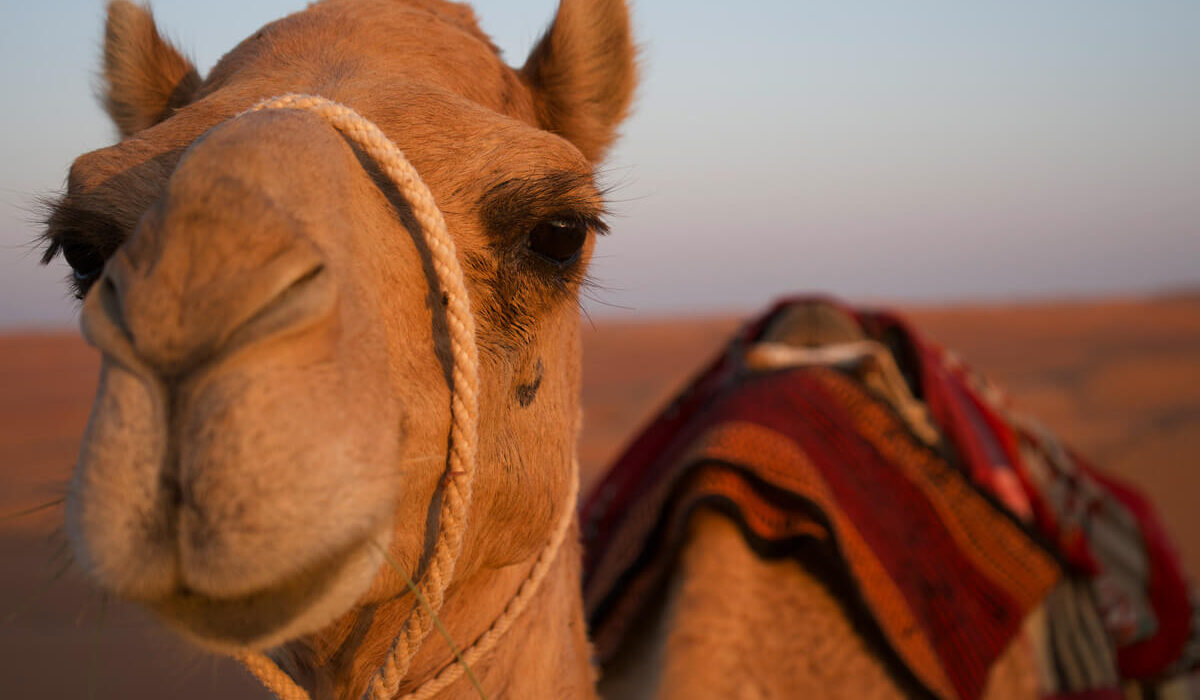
(464, 438)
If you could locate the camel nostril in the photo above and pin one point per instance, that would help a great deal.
(299, 284)
(172, 491)
(105, 324)
(306, 299)
(110, 302)
(288, 293)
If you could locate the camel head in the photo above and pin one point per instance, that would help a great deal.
(274, 400)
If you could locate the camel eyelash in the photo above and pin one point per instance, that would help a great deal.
(514, 206)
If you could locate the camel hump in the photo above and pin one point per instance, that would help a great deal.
(843, 440)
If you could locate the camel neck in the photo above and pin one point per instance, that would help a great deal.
(544, 654)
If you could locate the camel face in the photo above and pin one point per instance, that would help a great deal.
(274, 397)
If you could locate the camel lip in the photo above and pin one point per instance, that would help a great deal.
(298, 604)
(244, 619)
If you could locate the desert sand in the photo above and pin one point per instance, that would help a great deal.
(1120, 380)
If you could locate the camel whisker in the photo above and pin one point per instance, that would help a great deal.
(35, 509)
(437, 620)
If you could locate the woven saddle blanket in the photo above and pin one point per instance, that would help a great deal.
(841, 436)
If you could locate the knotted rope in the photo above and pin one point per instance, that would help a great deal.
(464, 424)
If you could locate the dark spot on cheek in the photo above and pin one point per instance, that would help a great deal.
(527, 392)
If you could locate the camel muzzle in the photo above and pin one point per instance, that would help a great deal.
(235, 467)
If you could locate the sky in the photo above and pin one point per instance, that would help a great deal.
(924, 151)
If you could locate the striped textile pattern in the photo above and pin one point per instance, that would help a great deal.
(995, 528)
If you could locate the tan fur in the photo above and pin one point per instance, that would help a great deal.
(145, 78)
(735, 626)
(583, 93)
(273, 396)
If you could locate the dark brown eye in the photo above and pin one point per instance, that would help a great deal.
(86, 262)
(558, 240)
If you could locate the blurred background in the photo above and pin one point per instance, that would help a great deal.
(1023, 178)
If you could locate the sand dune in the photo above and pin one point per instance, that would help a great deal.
(1119, 379)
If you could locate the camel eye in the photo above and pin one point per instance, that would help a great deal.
(86, 262)
(558, 240)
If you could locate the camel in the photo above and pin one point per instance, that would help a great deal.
(274, 400)
(268, 446)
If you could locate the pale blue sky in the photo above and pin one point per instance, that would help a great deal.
(889, 150)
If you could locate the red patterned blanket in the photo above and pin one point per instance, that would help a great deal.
(951, 526)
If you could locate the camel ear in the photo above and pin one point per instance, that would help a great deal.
(144, 77)
(583, 73)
